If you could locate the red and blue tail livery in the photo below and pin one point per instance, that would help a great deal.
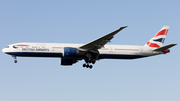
(93, 51)
(158, 40)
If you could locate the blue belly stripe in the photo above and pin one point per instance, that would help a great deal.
(119, 56)
(101, 56)
(35, 54)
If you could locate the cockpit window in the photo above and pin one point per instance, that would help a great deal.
(7, 46)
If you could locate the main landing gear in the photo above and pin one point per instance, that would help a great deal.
(15, 61)
(87, 64)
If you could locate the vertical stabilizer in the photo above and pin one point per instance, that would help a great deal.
(158, 40)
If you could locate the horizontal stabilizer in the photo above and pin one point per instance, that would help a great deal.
(164, 47)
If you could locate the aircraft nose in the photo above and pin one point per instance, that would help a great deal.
(3, 50)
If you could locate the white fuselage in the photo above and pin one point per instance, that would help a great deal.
(56, 50)
(92, 51)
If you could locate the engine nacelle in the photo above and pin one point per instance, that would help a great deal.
(66, 61)
(70, 52)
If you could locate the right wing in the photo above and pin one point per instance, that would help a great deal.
(100, 42)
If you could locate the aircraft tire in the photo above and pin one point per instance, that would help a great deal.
(84, 65)
(87, 66)
(90, 66)
(15, 61)
(93, 62)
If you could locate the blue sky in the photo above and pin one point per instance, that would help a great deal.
(44, 79)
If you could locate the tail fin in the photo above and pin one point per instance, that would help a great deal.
(158, 40)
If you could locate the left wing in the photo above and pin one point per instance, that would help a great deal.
(100, 42)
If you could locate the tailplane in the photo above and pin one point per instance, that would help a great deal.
(165, 49)
(158, 40)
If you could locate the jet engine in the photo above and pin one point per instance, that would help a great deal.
(70, 52)
(66, 61)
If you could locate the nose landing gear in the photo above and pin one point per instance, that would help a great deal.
(15, 61)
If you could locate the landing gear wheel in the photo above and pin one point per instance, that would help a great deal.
(93, 62)
(15, 61)
(87, 66)
(90, 61)
(90, 66)
(84, 65)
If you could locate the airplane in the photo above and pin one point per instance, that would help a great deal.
(92, 51)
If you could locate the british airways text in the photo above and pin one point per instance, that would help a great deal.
(33, 49)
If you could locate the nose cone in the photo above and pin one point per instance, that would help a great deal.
(4, 50)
